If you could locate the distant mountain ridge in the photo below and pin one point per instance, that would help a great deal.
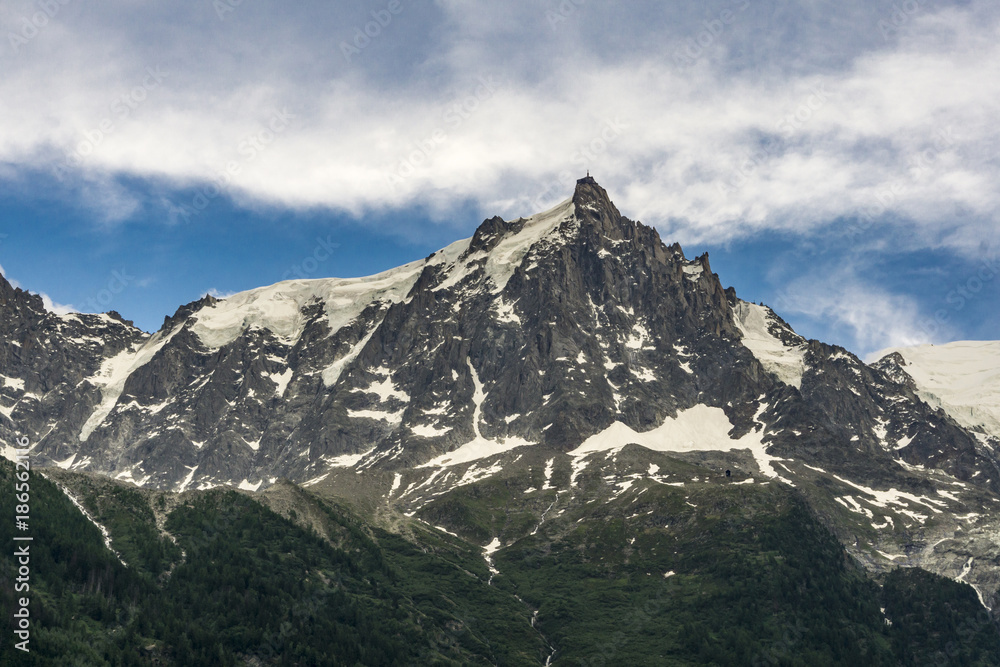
(962, 378)
(571, 320)
(557, 339)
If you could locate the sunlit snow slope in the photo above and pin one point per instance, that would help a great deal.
(962, 378)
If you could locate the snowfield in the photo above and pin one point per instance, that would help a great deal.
(785, 361)
(698, 429)
(278, 307)
(961, 378)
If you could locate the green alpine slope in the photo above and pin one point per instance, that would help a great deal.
(646, 573)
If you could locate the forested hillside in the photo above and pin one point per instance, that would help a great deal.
(218, 578)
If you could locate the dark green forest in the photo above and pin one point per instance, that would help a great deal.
(752, 578)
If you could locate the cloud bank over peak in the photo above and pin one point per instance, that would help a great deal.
(715, 121)
(868, 127)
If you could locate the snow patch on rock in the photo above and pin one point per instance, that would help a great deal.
(785, 361)
(697, 429)
(962, 378)
(113, 374)
(479, 447)
(279, 308)
(504, 259)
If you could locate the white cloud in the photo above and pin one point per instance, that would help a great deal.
(47, 302)
(57, 308)
(865, 317)
(13, 283)
(870, 125)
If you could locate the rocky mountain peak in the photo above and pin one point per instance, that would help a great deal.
(15, 297)
(5, 287)
(489, 234)
(554, 343)
(186, 311)
(595, 210)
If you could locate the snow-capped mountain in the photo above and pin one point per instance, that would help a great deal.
(961, 378)
(548, 342)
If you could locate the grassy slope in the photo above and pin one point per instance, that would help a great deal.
(252, 584)
(757, 580)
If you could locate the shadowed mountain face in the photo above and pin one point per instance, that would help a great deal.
(546, 330)
(573, 332)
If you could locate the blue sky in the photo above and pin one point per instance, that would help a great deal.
(838, 160)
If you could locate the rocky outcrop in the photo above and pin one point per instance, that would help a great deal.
(544, 331)
(540, 333)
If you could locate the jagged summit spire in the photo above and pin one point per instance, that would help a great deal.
(590, 195)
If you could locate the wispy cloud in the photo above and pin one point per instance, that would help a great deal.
(47, 302)
(862, 127)
(13, 283)
(218, 294)
(777, 124)
(57, 308)
(865, 317)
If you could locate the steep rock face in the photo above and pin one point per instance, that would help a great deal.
(572, 320)
(831, 409)
(869, 417)
(961, 378)
(44, 361)
(540, 348)
(552, 330)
